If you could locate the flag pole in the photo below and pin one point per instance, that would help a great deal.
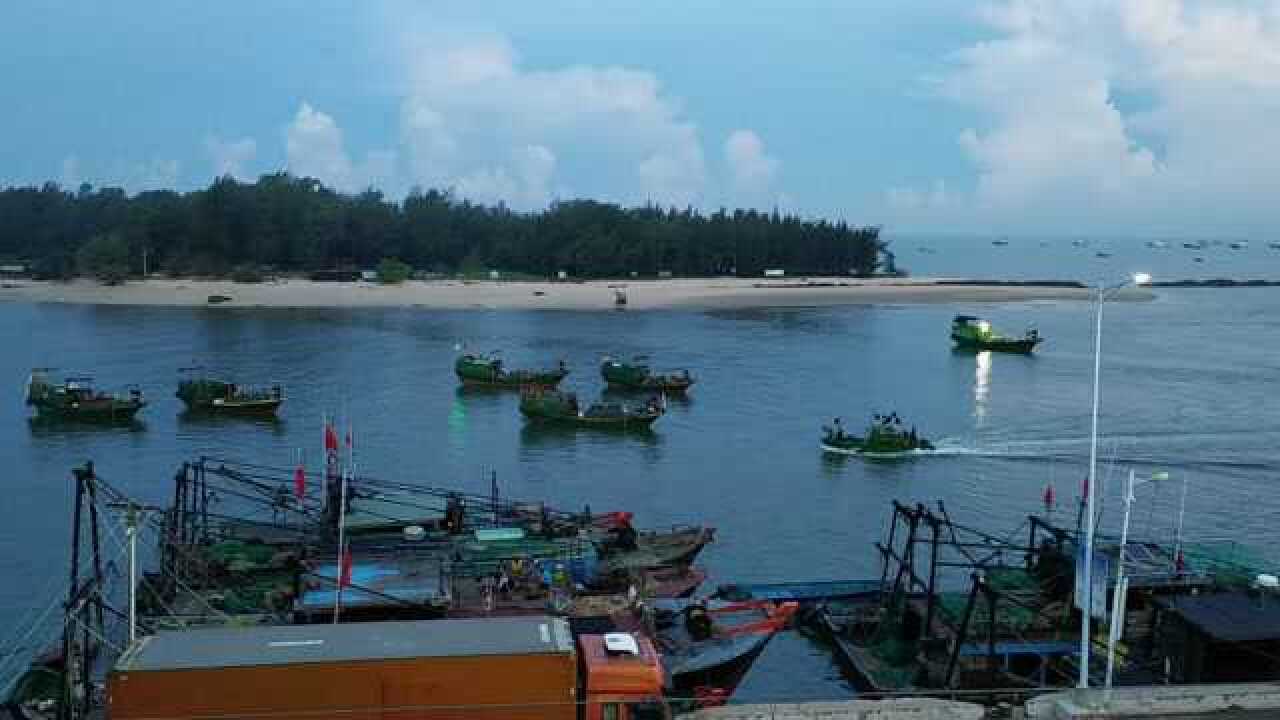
(342, 545)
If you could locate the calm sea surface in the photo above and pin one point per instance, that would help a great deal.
(1189, 387)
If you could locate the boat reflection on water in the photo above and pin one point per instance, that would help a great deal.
(981, 385)
(196, 420)
(550, 435)
(62, 426)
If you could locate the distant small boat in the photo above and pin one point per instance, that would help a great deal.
(488, 371)
(1274, 245)
(1193, 245)
(1080, 243)
(204, 394)
(886, 439)
(1157, 244)
(77, 399)
(1102, 254)
(1238, 245)
(636, 375)
(974, 333)
(999, 243)
(1197, 259)
(542, 404)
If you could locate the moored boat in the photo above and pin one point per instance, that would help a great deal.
(637, 375)
(540, 404)
(976, 334)
(489, 371)
(77, 399)
(885, 438)
(204, 394)
(708, 646)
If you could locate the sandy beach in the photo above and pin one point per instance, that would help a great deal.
(688, 294)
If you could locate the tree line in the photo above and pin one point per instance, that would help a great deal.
(285, 223)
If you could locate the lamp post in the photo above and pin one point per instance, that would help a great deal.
(1086, 606)
(1120, 594)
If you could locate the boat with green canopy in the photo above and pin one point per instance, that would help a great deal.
(77, 399)
(886, 438)
(212, 395)
(545, 405)
(972, 333)
(488, 371)
(637, 375)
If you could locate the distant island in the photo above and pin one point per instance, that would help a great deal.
(287, 224)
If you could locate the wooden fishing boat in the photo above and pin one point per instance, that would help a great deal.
(76, 399)
(974, 333)
(885, 439)
(211, 395)
(708, 646)
(489, 371)
(636, 375)
(540, 404)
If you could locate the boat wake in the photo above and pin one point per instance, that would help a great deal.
(1077, 450)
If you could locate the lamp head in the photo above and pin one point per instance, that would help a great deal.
(1142, 278)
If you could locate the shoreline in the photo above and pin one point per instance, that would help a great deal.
(661, 294)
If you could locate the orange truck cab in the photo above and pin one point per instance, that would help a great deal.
(623, 678)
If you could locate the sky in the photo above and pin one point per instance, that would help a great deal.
(1125, 117)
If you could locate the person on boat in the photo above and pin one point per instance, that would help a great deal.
(837, 429)
(454, 515)
(624, 536)
(697, 622)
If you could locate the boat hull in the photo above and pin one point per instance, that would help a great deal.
(109, 412)
(1023, 346)
(237, 407)
(869, 454)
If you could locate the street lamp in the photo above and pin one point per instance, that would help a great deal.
(1120, 594)
(1086, 607)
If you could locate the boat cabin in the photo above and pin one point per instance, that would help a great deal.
(1214, 637)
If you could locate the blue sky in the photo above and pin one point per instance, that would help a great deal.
(1128, 116)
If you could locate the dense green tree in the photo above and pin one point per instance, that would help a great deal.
(287, 223)
(105, 257)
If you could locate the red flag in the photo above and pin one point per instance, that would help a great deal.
(330, 439)
(300, 483)
(1048, 496)
(344, 577)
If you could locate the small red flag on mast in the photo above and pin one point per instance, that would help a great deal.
(1048, 497)
(300, 482)
(330, 439)
(344, 576)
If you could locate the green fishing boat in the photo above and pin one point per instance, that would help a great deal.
(77, 399)
(203, 394)
(488, 371)
(886, 438)
(636, 375)
(973, 333)
(545, 405)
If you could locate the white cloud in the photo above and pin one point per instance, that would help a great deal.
(472, 110)
(751, 169)
(156, 174)
(70, 177)
(314, 147)
(1148, 115)
(526, 184)
(231, 157)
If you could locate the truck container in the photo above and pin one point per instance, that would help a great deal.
(521, 668)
